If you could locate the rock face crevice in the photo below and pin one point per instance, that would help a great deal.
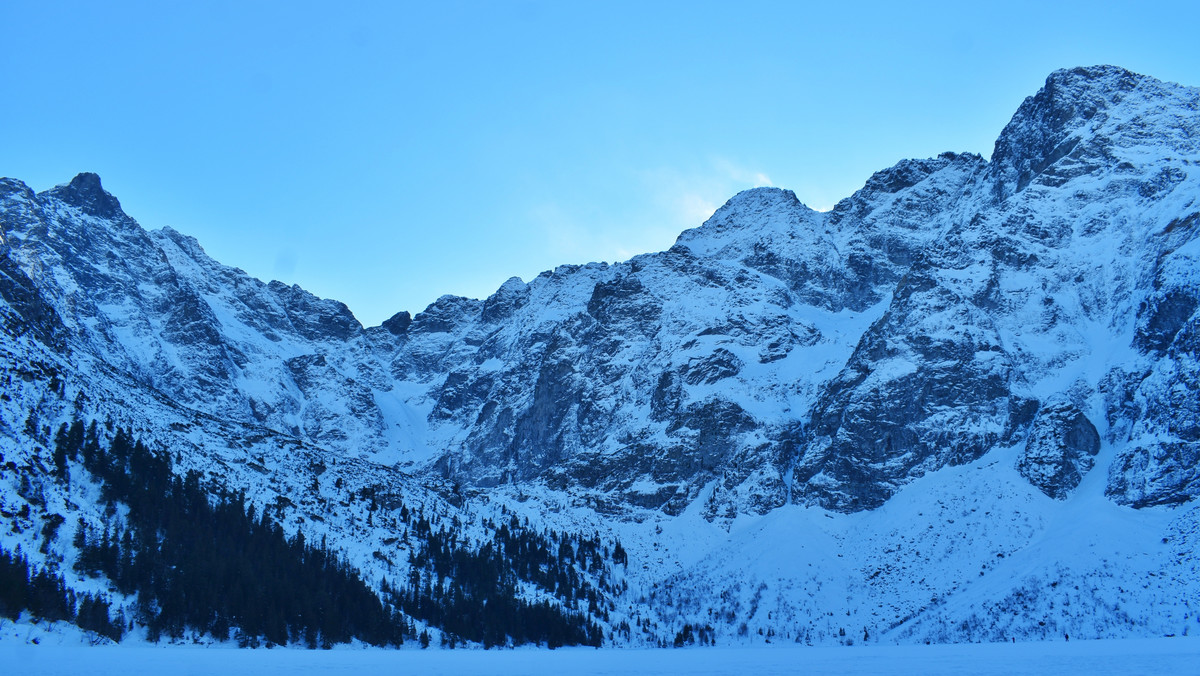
(774, 354)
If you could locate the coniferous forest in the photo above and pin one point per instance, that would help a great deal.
(201, 559)
(213, 565)
(473, 594)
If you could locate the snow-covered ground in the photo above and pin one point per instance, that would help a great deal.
(1094, 658)
(964, 554)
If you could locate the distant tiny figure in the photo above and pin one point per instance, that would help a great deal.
(1014, 639)
(1066, 637)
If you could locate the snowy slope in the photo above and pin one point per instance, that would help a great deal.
(1086, 658)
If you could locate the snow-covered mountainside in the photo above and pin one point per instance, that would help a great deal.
(960, 405)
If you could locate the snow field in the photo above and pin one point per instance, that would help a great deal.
(1088, 658)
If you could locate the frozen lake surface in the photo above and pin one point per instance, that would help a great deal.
(1093, 658)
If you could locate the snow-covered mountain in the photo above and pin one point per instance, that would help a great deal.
(960, 405)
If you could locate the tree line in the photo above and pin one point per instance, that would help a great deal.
(208, 562)
(199, 558)
(45, 595)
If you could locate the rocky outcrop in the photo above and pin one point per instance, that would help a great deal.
(85, 193)
(1060, 449)
(928, 386)
(1044, 137)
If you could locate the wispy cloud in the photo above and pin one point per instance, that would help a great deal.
(741, 175)
(664, 202)
(570, 234)
(689, 197)
(562, 233)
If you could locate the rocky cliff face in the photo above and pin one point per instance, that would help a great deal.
(1044, 300)
(1032, 291)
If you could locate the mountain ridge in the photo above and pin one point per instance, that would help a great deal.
(1031, 319)
(879, 236)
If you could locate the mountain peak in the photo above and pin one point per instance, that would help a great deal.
(764, 196)
(86, 181)
(746, 211)
(1103, 75)
(1049, 124)
(85, 192)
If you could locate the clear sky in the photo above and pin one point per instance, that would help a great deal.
(386, 153)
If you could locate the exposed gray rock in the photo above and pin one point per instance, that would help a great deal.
(85, 193)
(446, 314)
(709, 369)
(507, 300)
(927, 386)
(1044, 129)
(314, 318)
(1060, 449)
(398, 323)
(1158, 412)
(1161, 473)
(1161, 463)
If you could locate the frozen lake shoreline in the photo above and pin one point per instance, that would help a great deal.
(1094, 658)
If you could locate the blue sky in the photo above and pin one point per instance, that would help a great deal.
(386, 153)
